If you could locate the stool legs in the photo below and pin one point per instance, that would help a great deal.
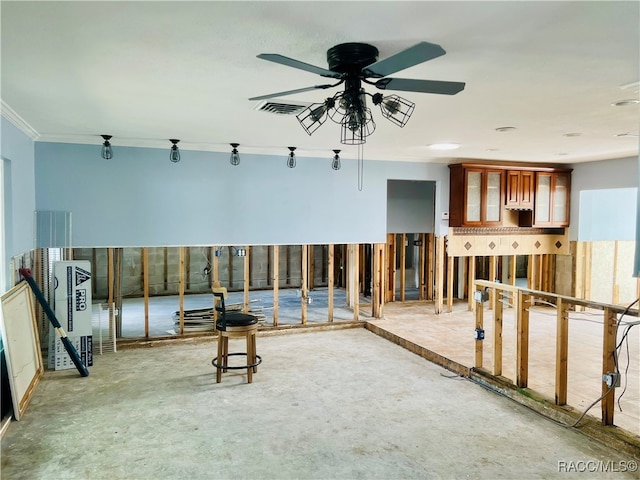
(222, 360)
(220, 349)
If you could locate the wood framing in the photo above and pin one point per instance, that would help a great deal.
(522, 338)
(181, 287)
(403, 261)
(609, 336)
(303, 286)
(440, 256)
(471, 278)
(430, 238)
(497, 332)
(275, 265)
(377, 297)
(450, 284)
(145, 288)
(330, 280)
(421, 267)
(247, 277)
(562, 351)
(479, 314)
(492, 278)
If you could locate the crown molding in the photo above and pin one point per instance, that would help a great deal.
(19, 122)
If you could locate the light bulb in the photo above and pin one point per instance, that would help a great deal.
(235, 156)
(174, 153)
(291, 159)
(335, 164)
(107, 152)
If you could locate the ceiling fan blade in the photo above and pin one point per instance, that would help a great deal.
(290, 62)
(419, 53)
(423, 86)
(291, 92)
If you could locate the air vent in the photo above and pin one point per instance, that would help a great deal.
(281, 108)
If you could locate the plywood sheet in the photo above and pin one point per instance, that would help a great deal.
(22, 346)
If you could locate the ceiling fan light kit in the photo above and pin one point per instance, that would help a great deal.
(291, 158)
(353, 64)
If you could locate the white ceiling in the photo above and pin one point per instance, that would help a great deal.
(145, 72)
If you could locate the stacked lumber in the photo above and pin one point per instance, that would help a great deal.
(201, 319)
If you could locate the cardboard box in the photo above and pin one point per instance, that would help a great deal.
(73, 309)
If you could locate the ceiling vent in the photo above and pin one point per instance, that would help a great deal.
(281, 108)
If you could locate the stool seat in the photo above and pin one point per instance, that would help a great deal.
(235, 319)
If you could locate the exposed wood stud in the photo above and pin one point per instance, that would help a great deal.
(311, 268)
(247, 277)
(562, 351)
(492, 278)
(608, 364)
(497, 332)
(403, 260)
(275, 265)
(450, 284)
(421, 267)
(181, 287)
(145, 288)
(330, 280)
(479, 315)
(303, 286)
(472, 277)
(187, 263)
(439, 284)
(522, 338)
(430, 264)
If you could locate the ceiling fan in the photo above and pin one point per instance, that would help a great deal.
(353, 64)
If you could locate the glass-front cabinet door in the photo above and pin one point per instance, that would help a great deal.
(560, 196)
(543, 199)
(473, 196)
(493, 197)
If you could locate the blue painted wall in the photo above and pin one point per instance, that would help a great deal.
(18, 193)
(602, 197)
(410, 206)
(140, 198)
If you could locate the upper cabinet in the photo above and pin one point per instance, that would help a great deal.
(480, 194)
(520, 189)
(552, 199)
(476, 196)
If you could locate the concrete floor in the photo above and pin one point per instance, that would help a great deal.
(339, 404)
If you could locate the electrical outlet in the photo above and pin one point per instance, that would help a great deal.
(479, 334)
(611, 379)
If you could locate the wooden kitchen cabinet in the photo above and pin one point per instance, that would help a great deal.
(476, 196)
(552, 199)
(520, 189)
(480, 194)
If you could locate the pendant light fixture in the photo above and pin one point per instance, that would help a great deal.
(291, 159)
(235, 156)
(174, 153)
(335, 164)
(107, 152)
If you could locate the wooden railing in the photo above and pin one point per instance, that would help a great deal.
(523, 299)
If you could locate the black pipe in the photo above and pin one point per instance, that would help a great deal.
(71, 350)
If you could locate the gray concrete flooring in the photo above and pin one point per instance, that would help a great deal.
(339, 404)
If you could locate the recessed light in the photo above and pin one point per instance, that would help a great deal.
(626, 103)
(627, 135)
(575, 134)
(505, 129)
(444, 146)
